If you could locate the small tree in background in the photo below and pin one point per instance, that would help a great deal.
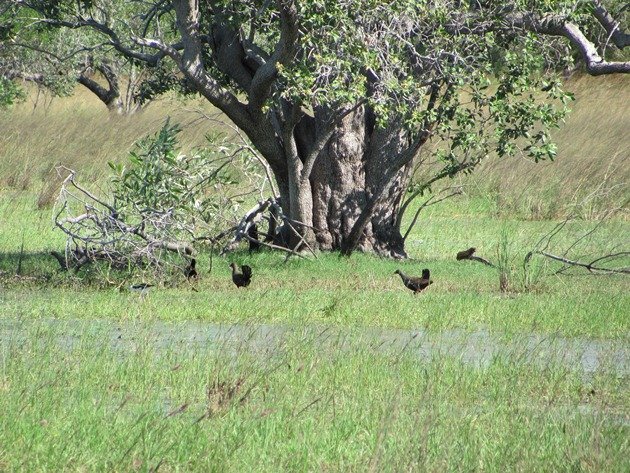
(34, 51)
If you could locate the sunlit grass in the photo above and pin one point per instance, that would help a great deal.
(590, 174)
(139, 405)
(93, 403)
(592, 166)
(359, 291)
(79, 133)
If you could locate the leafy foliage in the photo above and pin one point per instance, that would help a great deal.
(482, 77)
(420, 68)
(161, 204)
(10, 93)
(194, 190)
(56, 58)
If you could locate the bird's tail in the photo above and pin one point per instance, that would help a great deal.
(247, 271)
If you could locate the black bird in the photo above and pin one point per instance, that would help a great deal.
(241, 279)
(465, 254)
(254, 242)
(416, 284)
(191, 270)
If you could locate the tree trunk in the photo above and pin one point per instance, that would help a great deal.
(340, 191)
(352, 180)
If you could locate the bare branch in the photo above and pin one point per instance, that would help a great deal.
(246, 144)
(99, 232)
(480, 260)
(556, 25)
(426, 185)
(620, 38)
(289, 251)
(250, 217)
(430, 201)
(590, 266)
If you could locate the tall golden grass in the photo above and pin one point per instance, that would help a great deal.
(78, 132)
(591, 170)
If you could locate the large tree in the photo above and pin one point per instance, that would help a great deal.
(340, 97)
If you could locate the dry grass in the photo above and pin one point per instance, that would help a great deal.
(79, 133)
(592, 167)
(593, 159)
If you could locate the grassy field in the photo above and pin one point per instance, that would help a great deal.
(360, 291)
(91, 403)
(297, 408)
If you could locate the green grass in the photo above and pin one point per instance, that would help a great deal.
(95, 407)
(300, 408)
(360, 291)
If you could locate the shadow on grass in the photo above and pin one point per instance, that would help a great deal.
(41, 268)
(28, 263)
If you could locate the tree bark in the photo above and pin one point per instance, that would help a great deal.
(353, 186)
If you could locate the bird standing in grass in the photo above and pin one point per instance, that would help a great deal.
(243, 278)
(465, 254)
(191, 274)
(191, 270)
(142, 288)
(414, 283)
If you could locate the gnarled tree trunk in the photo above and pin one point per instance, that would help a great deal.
(351, 198)
(345, 179)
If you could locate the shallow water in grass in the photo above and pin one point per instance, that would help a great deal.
(107, 395)
(478, 347)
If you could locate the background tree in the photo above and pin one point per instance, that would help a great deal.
(35, 51)
(340, 97)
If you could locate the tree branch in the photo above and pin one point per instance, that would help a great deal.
(555, 25)
(551, 25)
(590, 266)
(283, 54)
(427, 203)
(620, 38)
(114, 40)
(97, 89)
(13, 74)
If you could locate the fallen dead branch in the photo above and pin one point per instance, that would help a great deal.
(589, 266)
(101, 233)
(275, 233)
(594, 264)
(481, 260)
